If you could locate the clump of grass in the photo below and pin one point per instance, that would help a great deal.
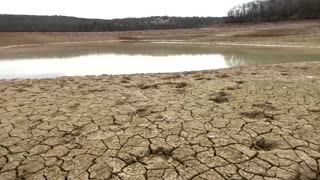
(201, 78)
(124, 81)
(232, 88)
(263, 144)
(239, 82)
(155, 86)
(223, 75)
(258, 115)
(220, 97)
(20, 90)
(159, 116)
(162, 151)
(142, 112)
(253, 114)
(285, 74)
(181, 85)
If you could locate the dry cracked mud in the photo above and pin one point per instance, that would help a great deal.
(258, 122)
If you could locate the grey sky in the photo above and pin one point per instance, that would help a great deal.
(106, 9)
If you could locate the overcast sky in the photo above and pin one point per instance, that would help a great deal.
(106, 9)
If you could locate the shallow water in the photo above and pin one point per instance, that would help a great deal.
(48, 61)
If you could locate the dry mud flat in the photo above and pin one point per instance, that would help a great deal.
(244, 123)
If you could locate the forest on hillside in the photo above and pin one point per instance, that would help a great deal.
(252, 12)
(275, 10)
(27, 23)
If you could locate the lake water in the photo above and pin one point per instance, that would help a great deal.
(48, 61)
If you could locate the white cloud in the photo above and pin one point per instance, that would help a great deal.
(120, 8)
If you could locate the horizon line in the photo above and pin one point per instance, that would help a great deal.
(114, 18)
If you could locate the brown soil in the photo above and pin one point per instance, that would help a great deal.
(259, 122)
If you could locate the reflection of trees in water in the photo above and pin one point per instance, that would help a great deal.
(234, 56)
(234, 60)
(269, 56)
(245, 58)
(147, 49)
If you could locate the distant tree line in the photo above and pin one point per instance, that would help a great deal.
(275, 10)
(27, 23)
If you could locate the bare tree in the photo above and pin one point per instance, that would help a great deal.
(275, 10)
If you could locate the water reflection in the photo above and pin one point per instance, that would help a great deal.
(128, 48)
(108, 64)
(131, 58)
(256, 56)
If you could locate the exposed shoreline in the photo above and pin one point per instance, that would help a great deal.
(165, 42)
(305, 34)
(250, 122)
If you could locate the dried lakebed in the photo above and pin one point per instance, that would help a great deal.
(256, 122)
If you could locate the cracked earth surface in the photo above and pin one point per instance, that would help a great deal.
(244, 123)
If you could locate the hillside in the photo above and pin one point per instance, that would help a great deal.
(285, 33)
(274, 10)
(27, 23)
